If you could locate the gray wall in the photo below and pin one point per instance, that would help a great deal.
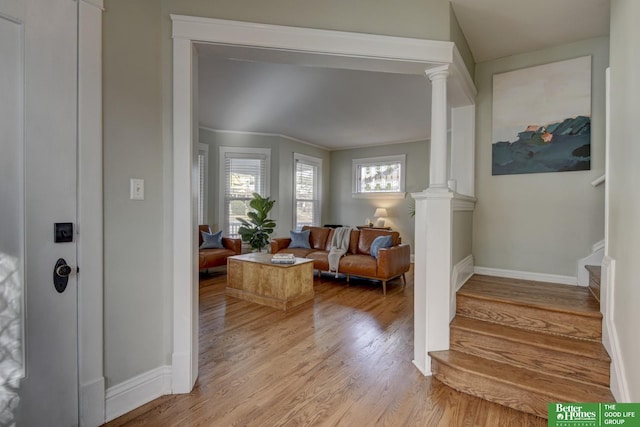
(138, 143)
(133, 230)
(346, 210)
(282, 150)
(426, 19)
(539, 222)
(457, 36)
(624, 177)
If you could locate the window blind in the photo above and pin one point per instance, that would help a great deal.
(202, 188)
(244, 174)
(307, 203)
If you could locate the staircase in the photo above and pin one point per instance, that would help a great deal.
(525, 344)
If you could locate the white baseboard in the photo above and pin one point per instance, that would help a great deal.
(462, 271)
(526, 275)
(137, 391)
(619, 386)
(92, 402)
(423, 371)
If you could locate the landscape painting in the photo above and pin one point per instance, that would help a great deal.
(542, 118)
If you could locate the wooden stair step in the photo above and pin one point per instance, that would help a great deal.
(548, 296)
(511, 386)
(580, 360)
(543, 307)
(595, 276)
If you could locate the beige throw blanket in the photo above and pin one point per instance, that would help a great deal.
(339, 247)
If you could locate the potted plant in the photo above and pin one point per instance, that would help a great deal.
(257, 230)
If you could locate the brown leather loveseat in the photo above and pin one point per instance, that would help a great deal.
(210, 258)
(391, 262)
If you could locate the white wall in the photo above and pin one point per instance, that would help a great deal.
(624, 177)
(540, 222)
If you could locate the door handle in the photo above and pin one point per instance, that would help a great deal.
(61, 272)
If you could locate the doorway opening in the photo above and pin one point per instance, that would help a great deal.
(297, 46)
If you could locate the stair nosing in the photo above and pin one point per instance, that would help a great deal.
(531, 343)
(528, 388)
(542, 331)
(546, 373)
(590, 314)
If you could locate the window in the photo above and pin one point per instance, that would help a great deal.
(243, 171)
(379, 176)
(307, 178)
(203, 177)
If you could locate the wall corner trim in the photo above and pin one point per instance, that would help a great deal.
(137, 391)
(527, 275)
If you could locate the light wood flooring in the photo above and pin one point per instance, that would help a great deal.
(343, 360)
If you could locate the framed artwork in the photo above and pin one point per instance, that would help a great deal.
(542, 118)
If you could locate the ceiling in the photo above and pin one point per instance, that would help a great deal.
(498, 28)
(330, 107)
(302, 96)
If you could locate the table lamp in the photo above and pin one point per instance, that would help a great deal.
(380, 213)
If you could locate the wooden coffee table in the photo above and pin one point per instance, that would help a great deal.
(252, 277)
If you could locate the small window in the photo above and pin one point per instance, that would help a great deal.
(243, 171)
(379, 176)
(307, 178)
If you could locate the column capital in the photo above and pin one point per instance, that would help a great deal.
(437, 73)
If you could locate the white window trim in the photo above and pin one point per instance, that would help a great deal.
(317, 162)
(204, 149)
(400, 158)
(221, 177)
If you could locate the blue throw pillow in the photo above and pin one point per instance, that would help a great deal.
(378, 243)
(300, 239)
(211, 240)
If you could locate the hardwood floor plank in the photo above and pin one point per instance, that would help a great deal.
(343, 360)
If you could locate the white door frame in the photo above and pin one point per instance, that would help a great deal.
(91, 385)
(334, 48)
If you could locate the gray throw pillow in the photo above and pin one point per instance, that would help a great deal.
(211, 240)
(300, 239)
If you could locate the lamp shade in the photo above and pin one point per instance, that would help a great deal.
(380, 212)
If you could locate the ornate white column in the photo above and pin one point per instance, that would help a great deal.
(432, 269)
(438, 163)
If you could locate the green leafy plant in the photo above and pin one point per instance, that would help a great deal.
(257, 230)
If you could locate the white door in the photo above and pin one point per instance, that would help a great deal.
(38, 148)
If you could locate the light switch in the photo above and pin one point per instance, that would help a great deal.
(136, 189)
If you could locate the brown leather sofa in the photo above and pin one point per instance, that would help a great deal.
(391, 262)
(210, 258)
